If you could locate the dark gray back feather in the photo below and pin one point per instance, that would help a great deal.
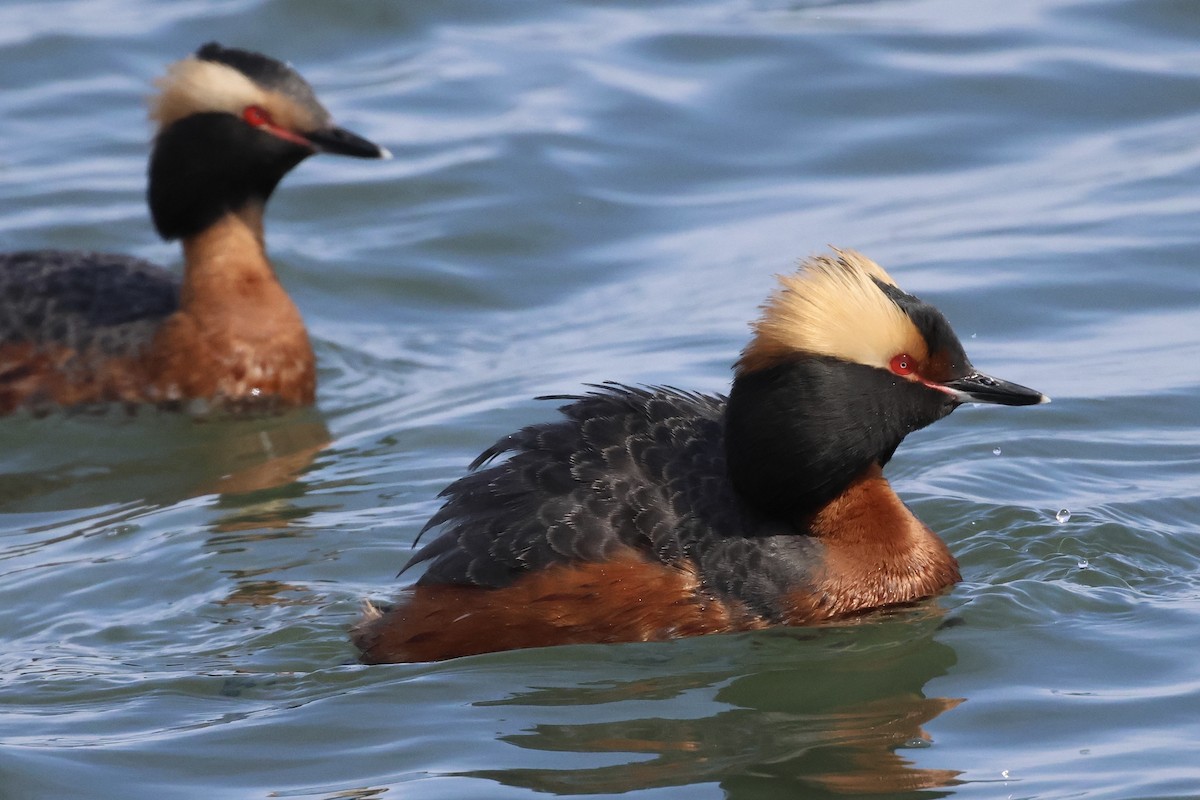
(626, 467)
(89, 302)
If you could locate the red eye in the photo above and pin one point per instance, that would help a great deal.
(256, 116)
(903, 364)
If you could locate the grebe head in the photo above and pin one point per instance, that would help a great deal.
(842, 365)
(231, 124)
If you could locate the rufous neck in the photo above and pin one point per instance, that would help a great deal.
(228, 257)
(873, 538)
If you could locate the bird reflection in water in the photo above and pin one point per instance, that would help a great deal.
(264, 464)
(69, 461)
(837, 727)
(257, 502)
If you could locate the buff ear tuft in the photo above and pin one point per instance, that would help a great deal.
(833, 306)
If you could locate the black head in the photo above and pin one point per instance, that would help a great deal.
(843, 365)
(232, 123)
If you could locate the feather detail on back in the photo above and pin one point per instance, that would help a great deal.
(86, 302)
(626, 467)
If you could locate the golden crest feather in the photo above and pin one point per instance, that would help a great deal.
(832, 306)
(194, 85)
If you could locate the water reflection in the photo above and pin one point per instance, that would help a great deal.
(267, 458)
(266, 592)
(68, 461)
(836, 727)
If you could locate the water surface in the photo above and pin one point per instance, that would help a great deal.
(586, 191)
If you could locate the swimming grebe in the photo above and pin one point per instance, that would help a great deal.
(80, 328)
(651, 513)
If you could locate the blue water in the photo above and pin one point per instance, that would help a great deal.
(586, 191)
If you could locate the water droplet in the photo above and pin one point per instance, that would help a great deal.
(973, 335)
(1062, 516)
(996, 451)
(1004, 774)
(1083, 563)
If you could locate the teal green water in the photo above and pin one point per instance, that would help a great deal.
(586, 191)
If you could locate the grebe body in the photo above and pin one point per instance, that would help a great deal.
(650, 513)
(80, 328)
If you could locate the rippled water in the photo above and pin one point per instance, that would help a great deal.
(587, 191)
